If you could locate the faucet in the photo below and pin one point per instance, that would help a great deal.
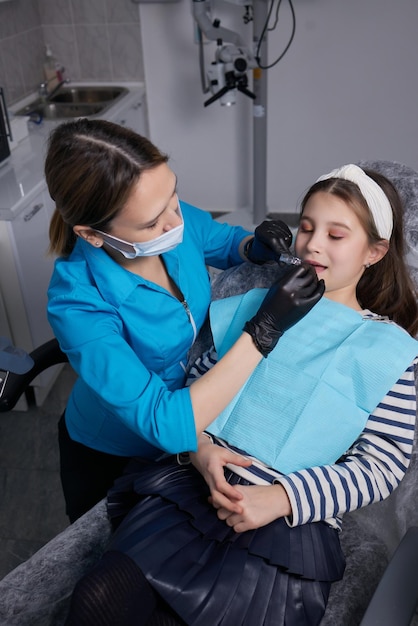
(43, 88)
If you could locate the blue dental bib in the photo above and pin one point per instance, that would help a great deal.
(310, 399)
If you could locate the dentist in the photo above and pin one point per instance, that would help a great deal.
(129, 293)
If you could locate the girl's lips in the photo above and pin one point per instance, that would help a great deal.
(318, 267)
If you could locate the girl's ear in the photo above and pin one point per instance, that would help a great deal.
(378, 251)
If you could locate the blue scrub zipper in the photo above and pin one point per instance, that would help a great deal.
(191, 320)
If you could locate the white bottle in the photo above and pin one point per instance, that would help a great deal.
(50, 69)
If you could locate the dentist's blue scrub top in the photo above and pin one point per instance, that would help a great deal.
(127, 338)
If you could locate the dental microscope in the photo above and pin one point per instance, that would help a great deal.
(227, 74)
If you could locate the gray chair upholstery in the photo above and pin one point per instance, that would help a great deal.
(396, 597)
(37, 592)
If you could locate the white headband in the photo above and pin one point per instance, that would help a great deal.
(374, 195)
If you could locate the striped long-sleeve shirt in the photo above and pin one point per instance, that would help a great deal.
(368, 472)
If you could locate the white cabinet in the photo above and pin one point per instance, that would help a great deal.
(25, 274)
(27, 237)
(131, 113)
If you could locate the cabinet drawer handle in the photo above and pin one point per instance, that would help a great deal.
(35, 209)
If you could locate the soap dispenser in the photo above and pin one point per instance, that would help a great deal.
(50, 69)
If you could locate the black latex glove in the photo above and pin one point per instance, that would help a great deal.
(271, 238)
(286, 302)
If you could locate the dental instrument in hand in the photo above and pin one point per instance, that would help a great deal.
(288, 259)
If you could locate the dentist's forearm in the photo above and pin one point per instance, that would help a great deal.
(211, 393)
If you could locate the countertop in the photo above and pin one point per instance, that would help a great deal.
(22, 176)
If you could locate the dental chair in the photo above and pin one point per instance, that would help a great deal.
(380, 584)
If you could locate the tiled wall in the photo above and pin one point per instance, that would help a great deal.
(93, 39)
(21, 47)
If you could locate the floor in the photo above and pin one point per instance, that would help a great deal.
(31, 503)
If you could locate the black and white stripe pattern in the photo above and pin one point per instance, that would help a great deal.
(202, 365)
(369, 471)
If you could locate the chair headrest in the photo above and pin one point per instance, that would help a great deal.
(405, 179)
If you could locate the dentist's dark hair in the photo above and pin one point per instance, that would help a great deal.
(385, 287)
(91, 168)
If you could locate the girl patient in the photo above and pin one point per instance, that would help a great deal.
(248, 532)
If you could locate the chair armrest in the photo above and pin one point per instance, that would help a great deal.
(396, 596)
(14, 385)
(38, 591)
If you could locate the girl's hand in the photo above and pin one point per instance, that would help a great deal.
(260, 505)
(210, 461)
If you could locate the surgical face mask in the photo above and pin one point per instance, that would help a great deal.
(164, 243)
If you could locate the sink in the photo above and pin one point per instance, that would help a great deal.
(89, 95)
(73, 101)
(55, 111)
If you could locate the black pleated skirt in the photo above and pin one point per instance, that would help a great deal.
(209, 574)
